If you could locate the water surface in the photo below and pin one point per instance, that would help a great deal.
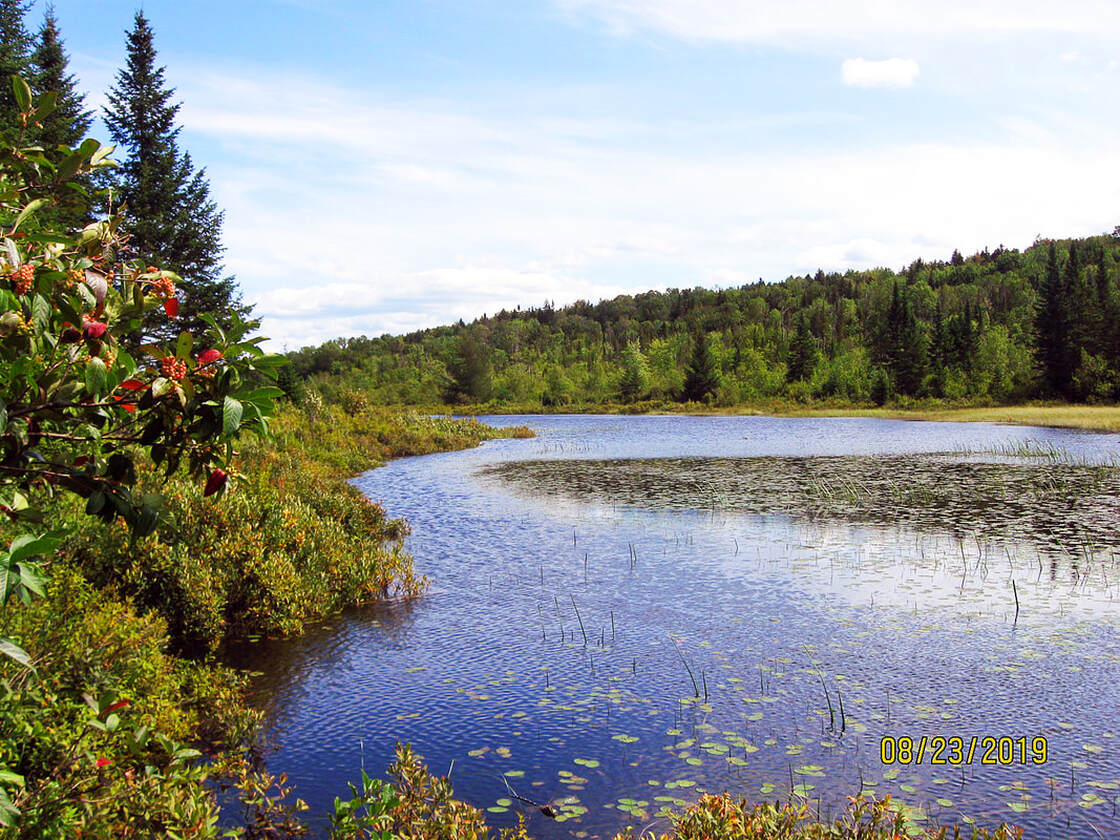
(626, 611)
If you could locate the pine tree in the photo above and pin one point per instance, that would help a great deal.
(171, 217)
(15, 60)
(68, 123)
(702, 377)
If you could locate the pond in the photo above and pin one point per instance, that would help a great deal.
(627, 611)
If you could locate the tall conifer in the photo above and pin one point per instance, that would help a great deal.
(15, 60)
(171, 217)
(68, 123)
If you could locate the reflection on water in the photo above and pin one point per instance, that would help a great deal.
(629, 610)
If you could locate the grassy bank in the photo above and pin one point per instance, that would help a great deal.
(102, 738)
(1095, 417)
(1059, 415)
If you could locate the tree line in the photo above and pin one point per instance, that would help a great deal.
(1001, 325)
(169, 214)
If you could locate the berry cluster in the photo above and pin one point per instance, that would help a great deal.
(22, 278)
(164, 287)
(73, 277)
(173, 368)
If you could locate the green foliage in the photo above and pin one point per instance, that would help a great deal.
(469, 370)
(415, 804)
(94, 743)
(635, 375)
(962, 330)
(291, 542)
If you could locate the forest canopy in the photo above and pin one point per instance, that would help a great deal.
(1001, 325)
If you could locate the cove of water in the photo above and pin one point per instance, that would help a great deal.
(627, 611)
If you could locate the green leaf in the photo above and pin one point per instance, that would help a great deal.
(30, 209)
(70, 166)
(14, 651)
(23, 93)
(9, 813)
(231, 416)
(26, 545)
(47, 103)
(101, 154)
(7, 777)
(161, 386)
(32, 578)
(183, 346)
(12, 252)
(95, 376)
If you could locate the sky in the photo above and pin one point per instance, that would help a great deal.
(393, 165)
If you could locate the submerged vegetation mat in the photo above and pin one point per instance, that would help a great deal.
(1060, 505)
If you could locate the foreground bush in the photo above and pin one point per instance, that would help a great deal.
(864, 819)
(415, 804)
(103, 738)
(292, 542)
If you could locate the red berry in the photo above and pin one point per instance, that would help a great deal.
(173, 368)
(94, 329)
(216, 482)
(22, 278)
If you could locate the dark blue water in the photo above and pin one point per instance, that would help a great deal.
(617, 658)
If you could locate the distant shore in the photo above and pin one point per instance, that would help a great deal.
(1104, 418)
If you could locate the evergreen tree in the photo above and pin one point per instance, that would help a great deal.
(802, 356)
(1052, 327)
(15, 60)
(470, 372)
(911, 365)
(171, 217)
(702, 377)
(68, 123)
(635, 374)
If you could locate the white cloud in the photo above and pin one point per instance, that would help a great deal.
(392, 216)
(784, 21)
(890, 73)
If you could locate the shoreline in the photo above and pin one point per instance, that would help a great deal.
(1098, 418)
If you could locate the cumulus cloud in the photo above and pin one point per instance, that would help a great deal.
(891, 72)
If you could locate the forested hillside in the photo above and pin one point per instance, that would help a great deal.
(1000, 325)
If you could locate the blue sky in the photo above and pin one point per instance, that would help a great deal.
(394, 165)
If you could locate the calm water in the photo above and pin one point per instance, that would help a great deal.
(626, 611)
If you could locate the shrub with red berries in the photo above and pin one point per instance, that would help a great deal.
(22, 278)
(173, 368)
(79, 407)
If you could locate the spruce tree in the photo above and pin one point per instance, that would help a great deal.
(170, 215)
(15, 60)
(802, 355)
(68, 123)
(1052, 327)
(702, 377)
